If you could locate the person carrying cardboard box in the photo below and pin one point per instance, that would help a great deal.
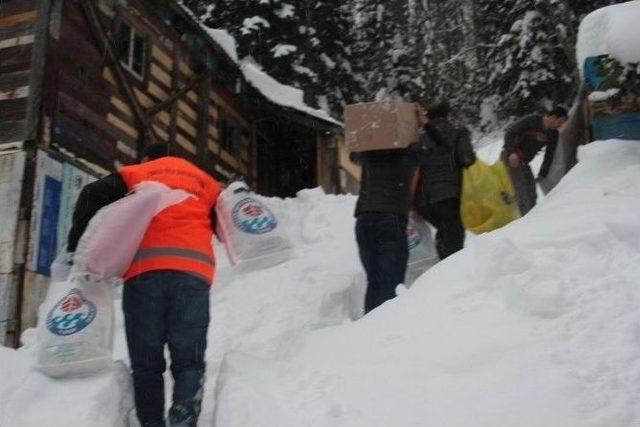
(383, 139)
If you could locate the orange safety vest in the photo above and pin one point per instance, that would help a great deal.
(179, 237)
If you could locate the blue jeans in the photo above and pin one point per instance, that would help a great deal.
(382, 244)
(167, 307)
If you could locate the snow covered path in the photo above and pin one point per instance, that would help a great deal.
(533, 325)
(266, 314)
(263, 314)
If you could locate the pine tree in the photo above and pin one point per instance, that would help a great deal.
(386, 60)
(301, 43)
(327, 28)
(513, 56)
(452, 61)
(264, 30)
(529, 67)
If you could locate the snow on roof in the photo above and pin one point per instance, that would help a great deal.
(611, 30)
(225, 40)
(273, 90)
(279, 93)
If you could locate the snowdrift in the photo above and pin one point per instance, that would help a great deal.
(533, 325)
(264, 312)
(610, 31)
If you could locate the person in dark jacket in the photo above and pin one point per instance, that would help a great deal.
(522, 141)
(445, 148)
(382, 211)
(166, 290)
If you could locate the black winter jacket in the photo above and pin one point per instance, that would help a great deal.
(386, 180)
(92, 198)
(527, 137)
(445, 148)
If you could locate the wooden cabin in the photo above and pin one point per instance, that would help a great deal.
(86, 84)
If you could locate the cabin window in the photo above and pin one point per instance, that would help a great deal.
(229, 136)
(132, 49)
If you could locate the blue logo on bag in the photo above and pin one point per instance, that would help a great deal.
(413, 236)
(251, 216)
(71, 314)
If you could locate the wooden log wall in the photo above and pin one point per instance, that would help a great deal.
(90, 115)
(17, 22)
(77, 100)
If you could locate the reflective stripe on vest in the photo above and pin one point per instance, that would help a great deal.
(178, 238)
(171, 251)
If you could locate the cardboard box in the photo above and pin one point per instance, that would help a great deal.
(380, 125)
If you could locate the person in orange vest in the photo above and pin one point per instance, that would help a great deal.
(166, 291)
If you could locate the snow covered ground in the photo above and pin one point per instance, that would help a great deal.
(533, 325)
(261, 314)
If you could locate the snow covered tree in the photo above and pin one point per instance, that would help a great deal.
(451, 61)
(326, 28)
(529, 67)
(266, 30)
(506, 56)
(385, 57)
(302, 43)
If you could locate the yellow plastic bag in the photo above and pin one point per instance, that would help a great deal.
(488, 199)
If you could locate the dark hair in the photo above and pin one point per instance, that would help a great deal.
(155, 150)
(558, 111)
(440, 109)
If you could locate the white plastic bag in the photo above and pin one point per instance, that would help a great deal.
(75, 327)
(113, 235)
(61, 266)
(422, 250)
(250, 231)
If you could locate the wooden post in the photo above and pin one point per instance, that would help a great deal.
(22, 239)
(32, 131)
(319, 162)
(173, 111)
(204, 90)
(253, 146)
(36, 77)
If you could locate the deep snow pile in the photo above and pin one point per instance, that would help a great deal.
(608, 31)
(534, 325)
(262, 313)
(30, 399)
(268, 313)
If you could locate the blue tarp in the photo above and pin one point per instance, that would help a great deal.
(623, 125)
(591, 76)
(618, 126)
